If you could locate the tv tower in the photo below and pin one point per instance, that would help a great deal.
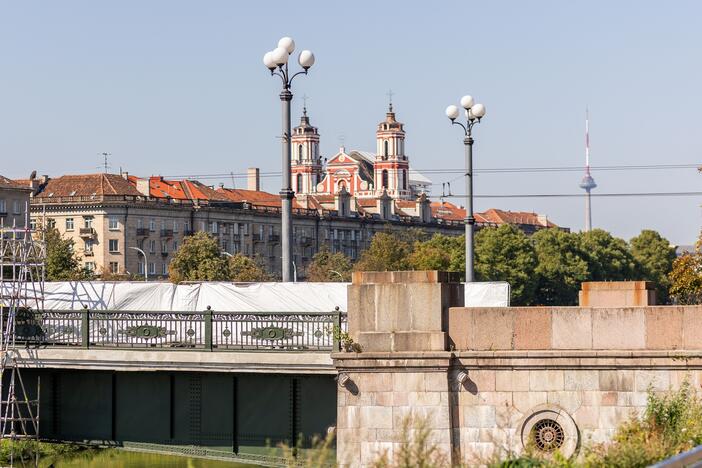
(588, 183)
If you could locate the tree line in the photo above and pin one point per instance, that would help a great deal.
(545, 268)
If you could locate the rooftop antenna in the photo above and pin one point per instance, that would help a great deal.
(587, 183)
(105, 166)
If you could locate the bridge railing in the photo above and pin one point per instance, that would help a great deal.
(205, 331)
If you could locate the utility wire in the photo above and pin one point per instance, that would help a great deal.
(578, 195)
(477, 171)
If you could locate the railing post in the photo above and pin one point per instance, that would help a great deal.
(208, 329)
(85, 328)
(336, 346)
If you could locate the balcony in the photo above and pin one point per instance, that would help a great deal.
(166, 232)
(86, 232)
(142, 232)
(274, 238)
(88, 253)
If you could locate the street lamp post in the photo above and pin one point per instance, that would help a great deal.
(474, 112)
(277, 62)
(146, 266)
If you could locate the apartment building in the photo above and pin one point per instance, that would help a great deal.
(14, 203)
(122, 224)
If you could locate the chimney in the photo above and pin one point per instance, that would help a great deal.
(142, 185)
(423, 208)
(253, 179)
(125, 175)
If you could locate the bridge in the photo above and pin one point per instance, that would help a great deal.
(223, 384)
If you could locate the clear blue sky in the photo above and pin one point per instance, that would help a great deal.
(174, 87)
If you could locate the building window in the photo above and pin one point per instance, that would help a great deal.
(152, 225)
(235, 228)
(114, 267)
(175, 226)
(385, 148)
(88, 245)
(299, 183)
(225, 245)
(152, 246)
(186, 226)
(16, 207)
(113, 245)
(152, 268)
(175, 245)
(3, 206)
(88, 222)
(113, 224)
(404, 179)
(213, 227)
(164, 246)
(300, 152)
(246, 229)
(164, 269)
(141, 268)
(385, 179)
(140, 223)
(33, 224)
(90, 266)
(51, 223)
(69, 224)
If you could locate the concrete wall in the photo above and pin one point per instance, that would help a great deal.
(503, 371)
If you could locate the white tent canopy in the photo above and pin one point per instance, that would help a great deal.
(220, 296)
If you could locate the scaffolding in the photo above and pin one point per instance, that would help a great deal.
(22, 272)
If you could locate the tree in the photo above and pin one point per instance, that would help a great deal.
(61, 262)
(329, 267)
(654, 257)
(506, 254)
(386, 252)
(686, 279)
(445, 253)
(561, 267)
(245, 269)
(608, 257)
(199, 259)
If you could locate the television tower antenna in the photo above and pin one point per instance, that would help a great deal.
(587, 183)
(105, 166)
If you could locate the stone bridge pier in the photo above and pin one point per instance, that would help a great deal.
(487, 381)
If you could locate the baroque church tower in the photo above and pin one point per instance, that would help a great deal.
(391, 167)
(306, 167)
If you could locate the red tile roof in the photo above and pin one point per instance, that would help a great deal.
(86, 185)
(254, 197)
(6, 183)
(517, 217)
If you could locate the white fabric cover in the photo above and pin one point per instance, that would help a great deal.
(487, 294)
(220, 296)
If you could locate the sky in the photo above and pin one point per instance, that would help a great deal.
(178, 88)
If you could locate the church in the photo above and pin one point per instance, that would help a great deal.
(381, 183)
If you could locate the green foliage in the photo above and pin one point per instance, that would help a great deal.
(245, 269)
(199, 259)
(27, 450)
(445, 253)
(506, 254)
(654, 257)
(329, 267)
(561, 267)
(321, 452)
(61, 261)
(686, 279)
(387, 252)
(608, 257)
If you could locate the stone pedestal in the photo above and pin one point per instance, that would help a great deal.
(617, 294)
(401, 374)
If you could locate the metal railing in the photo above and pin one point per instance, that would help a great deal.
(690, 459)
(205, 331)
